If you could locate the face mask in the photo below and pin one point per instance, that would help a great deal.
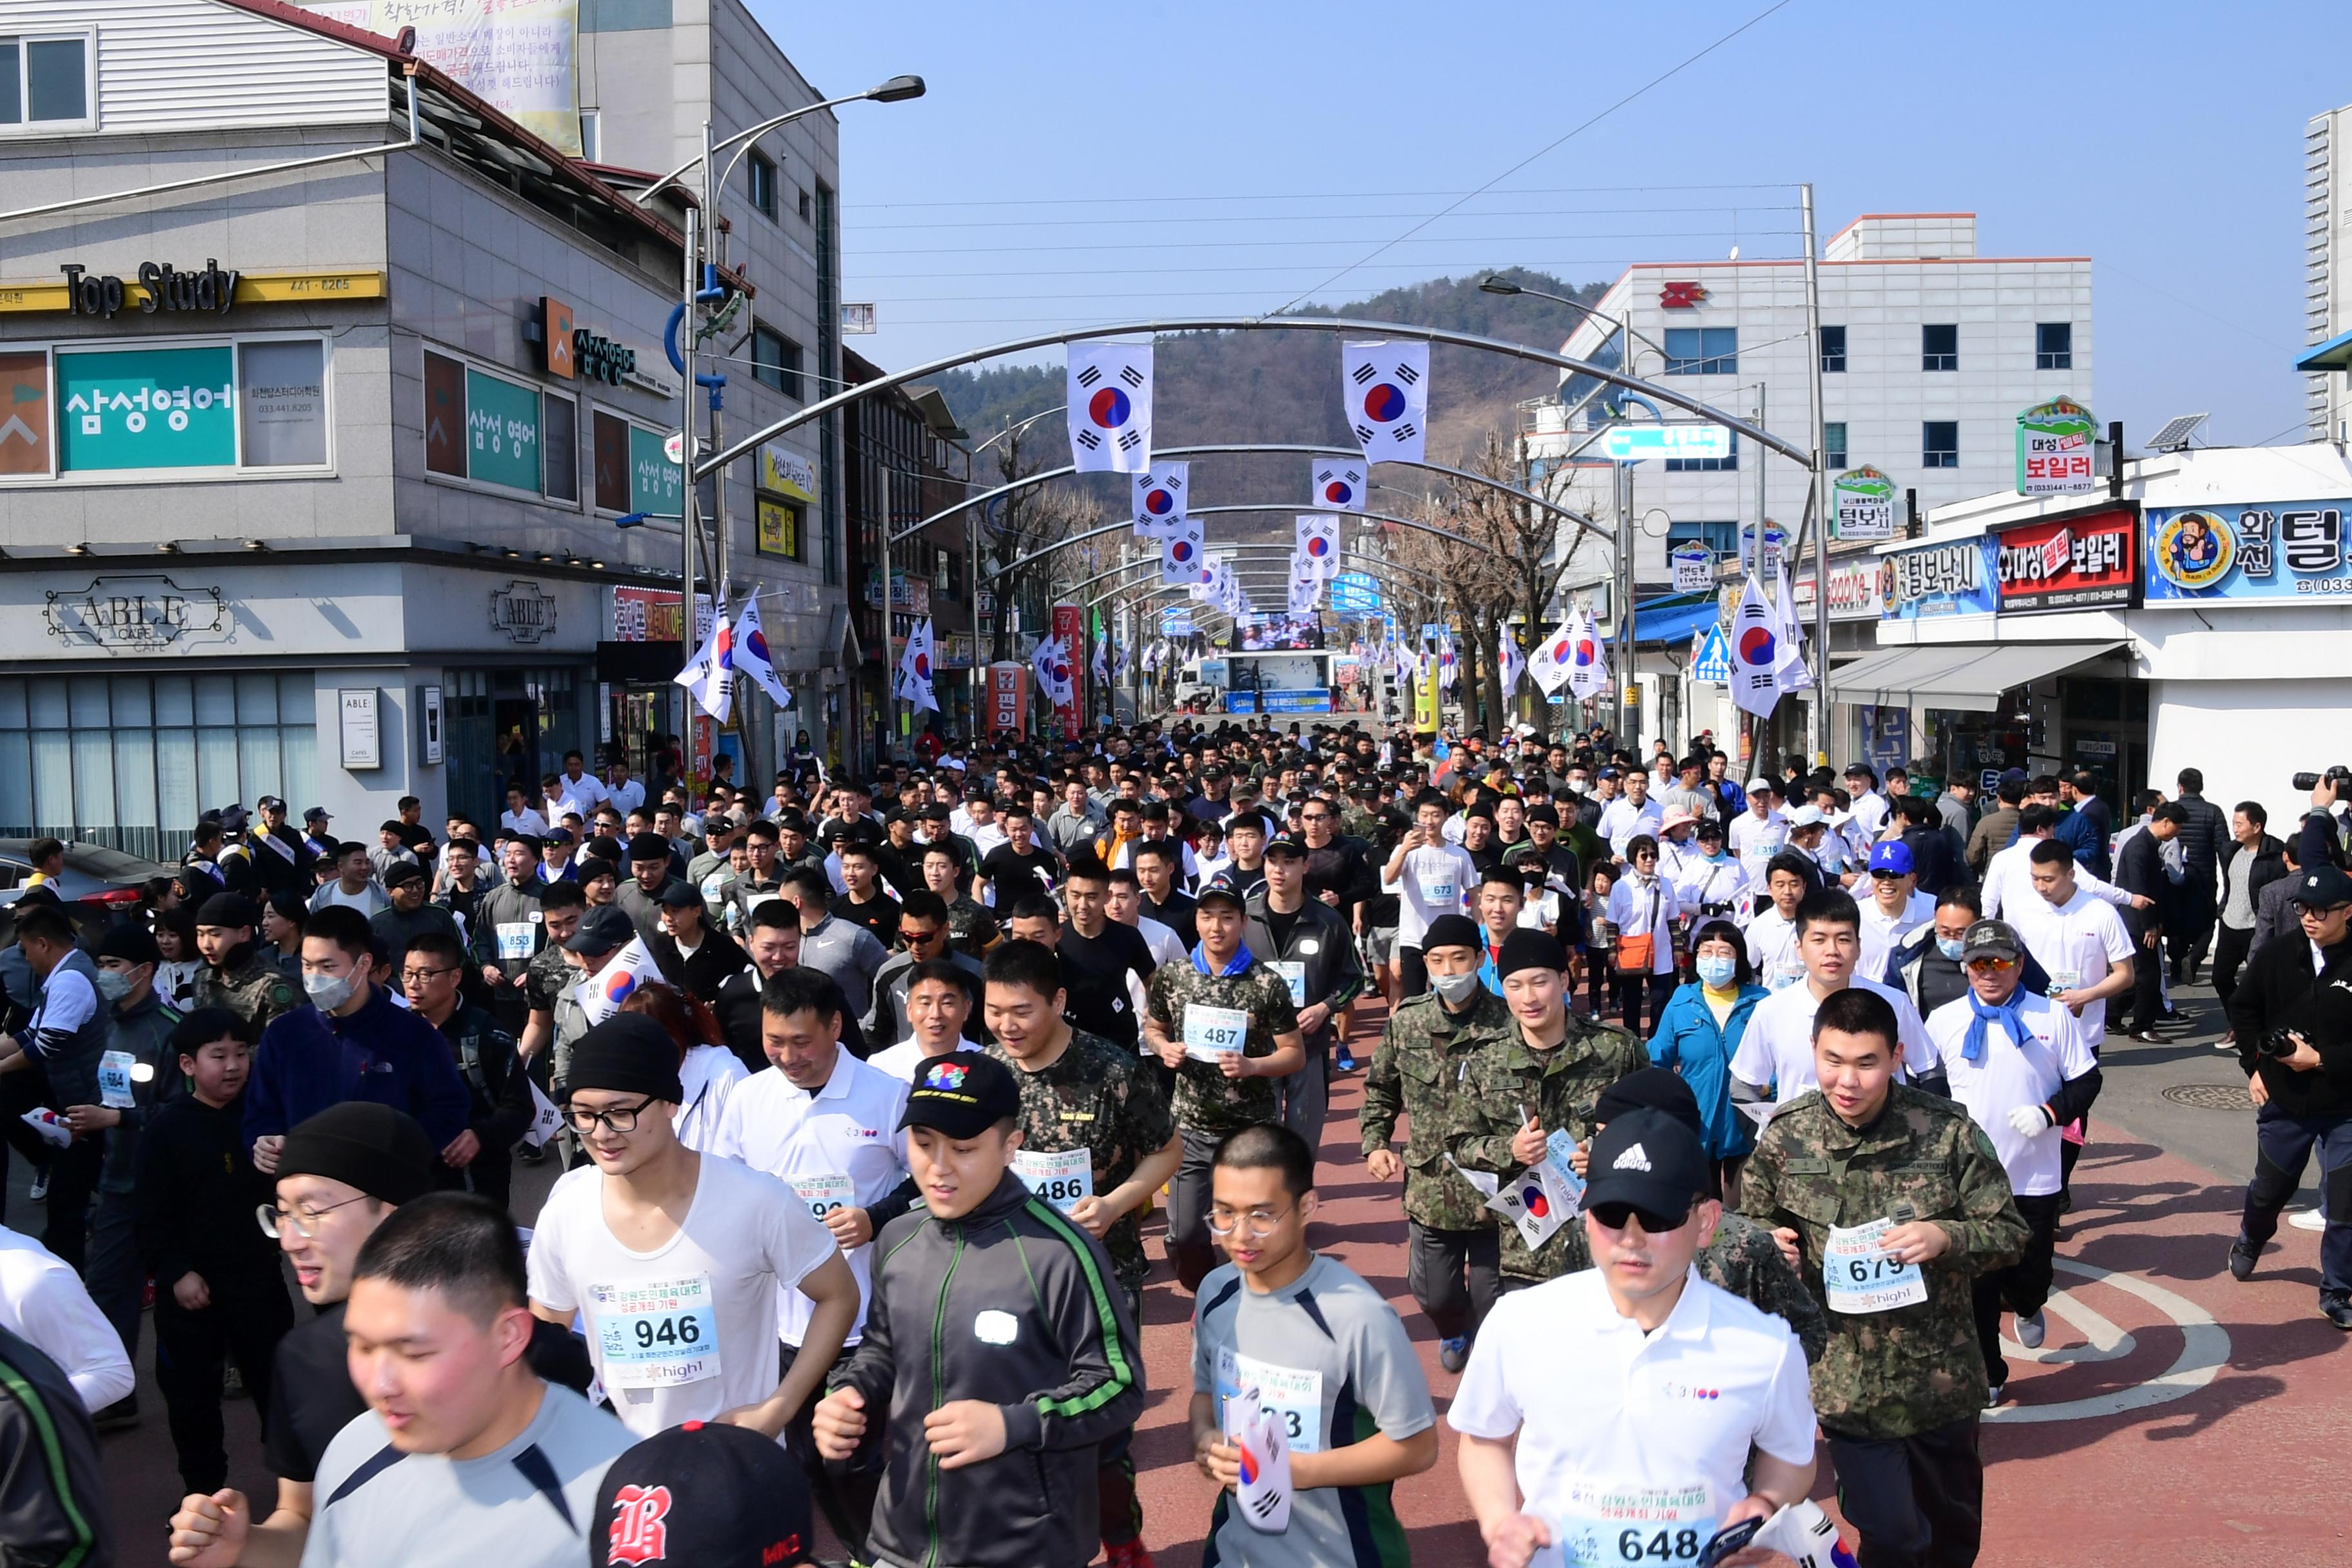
(1717, 971)
(113, 984)
(1951, 947)
(1454, 989)
(329, 992)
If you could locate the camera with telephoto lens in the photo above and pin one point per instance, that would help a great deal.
(2275, 1043)
(2339, 776)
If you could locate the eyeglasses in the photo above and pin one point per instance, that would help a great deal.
(304, 1222)
(1255, 1222)
(1991, 965)
(1614, 1216)
(2320, 913)
(423, 976)
(617, 1118)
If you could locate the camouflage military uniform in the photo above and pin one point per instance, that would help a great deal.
(971, 926)
(1895, 1374)
(1506, 1082)
(1097, 1096)
(1744, 1260)
(1358, 823)
(255, 989)
(1206, 1100)
(1423, 1059)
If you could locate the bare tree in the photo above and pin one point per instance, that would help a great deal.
(1479, 588)
(1022, 523)
(1521, 536)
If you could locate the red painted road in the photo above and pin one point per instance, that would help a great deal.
(2245, 1469)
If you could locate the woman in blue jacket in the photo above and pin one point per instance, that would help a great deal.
(1697, 1033)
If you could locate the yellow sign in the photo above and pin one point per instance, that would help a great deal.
(787, 474)
(52, 295)
(779, 529)
(1425, 698)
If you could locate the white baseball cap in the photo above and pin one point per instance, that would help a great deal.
(1765, 785)
(1807, 816)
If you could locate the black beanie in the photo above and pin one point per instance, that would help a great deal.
(379, 1151)
(1527, 948)
(1453, 931)
(229, 910)
(628, 1053)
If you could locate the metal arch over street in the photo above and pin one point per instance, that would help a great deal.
(1370, 330)
(1371, 566)
(1598, 530)
(1128, 525)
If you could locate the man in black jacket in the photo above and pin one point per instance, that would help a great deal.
(482, 1157)
(2293, 1013)
(2249, 862)
(691, 956)
(2201, 837)
(2139, 868)
(53, 1505)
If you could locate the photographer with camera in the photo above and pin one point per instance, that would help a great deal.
(2322, 841)
(2292, 1013)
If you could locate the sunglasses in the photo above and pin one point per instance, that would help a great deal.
(1614, 1216)
(1991, 965)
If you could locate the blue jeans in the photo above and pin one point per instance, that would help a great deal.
(2283, 1146)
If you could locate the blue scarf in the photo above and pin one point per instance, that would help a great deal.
(2012, 1013)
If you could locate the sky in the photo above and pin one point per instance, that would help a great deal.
(1082, 164)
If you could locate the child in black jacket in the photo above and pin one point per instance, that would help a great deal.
(219, 1288)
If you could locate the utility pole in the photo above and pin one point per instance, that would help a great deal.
(688, 458)
(1816, 502)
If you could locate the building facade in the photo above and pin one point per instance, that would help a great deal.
(316, 471)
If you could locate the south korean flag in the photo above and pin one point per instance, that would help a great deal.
(1384, 389)
(1110, 407)
(1179, 555)
(1159, 498)
(1336, 483)
(1318, 545)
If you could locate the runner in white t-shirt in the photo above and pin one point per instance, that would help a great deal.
(938, 1006)
(1772, 928)
(2078, 938)
(1778, 1048)
(672, 1260)
(1430, 878)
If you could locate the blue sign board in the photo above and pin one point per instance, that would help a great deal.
(1355, 594)
(1962, 578)
(1712, 665)
(2241, 554)
(1311, 700)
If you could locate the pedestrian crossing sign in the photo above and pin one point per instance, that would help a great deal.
(1712, 664)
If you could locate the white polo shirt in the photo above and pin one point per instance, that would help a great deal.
(1777, 1047)
(2009, 883)
(2014, 1073)
(1772, 947)
(1881, 933)
(1757, 840)
(2075, 943)
(902, 1060)
(846, 1132)
(1621, 822)
(1435, 879)
(1616, 1426)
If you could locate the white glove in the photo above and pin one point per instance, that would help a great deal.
(2028, 1120)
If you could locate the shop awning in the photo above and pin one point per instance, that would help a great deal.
(1971, 678)
(1672, 621)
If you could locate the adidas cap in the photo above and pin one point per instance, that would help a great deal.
(1650, 1159)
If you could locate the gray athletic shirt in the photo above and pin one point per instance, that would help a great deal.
(529, 1505)
(1330, 1357)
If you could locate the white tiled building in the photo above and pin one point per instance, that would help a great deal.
(1930, 352)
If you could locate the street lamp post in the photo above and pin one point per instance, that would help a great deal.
(700, 287)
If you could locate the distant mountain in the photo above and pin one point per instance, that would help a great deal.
(1278, 386)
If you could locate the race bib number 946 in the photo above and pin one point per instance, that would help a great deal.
(657, 1335)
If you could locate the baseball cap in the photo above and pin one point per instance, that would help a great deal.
(1708, 827)
(270, 802)
(1807, 816)
(2323, 886)
(1892, 857)
(317, 814)
(1286, 846)
(601, 930)
(1991, 939)
(961, 1094)
(703, 1494)
(680, 896)
(1222, 889)
(1650, 1159)
(1765, 785)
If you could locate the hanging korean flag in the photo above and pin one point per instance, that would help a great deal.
(1588, 659)
(1102, 657)
(1385, 392)
(1794, 674)
(915, 671)
(1755, 653)
(710, 677)
(1052, 664)
(1449, 664)
(1337, 483)
(1554, 660)
(1179, 555)
(1507, 662)
(1110, 407)
(1318, 543)
(600, 995)
(752, 653)
(1159, 498)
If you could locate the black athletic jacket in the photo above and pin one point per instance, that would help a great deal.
(1014, 1305)
(53, 1512)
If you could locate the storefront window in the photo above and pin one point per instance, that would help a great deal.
(130, 761)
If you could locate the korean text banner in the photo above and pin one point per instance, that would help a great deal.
(516, 54)
(1938, 580)
(2239, 554)
(2083, 561)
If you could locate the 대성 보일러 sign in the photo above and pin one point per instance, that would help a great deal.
(2247, 554)
(2055, 442)
(2088, 561)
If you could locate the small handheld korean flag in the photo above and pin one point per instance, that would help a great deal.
(1507, 663)
(1179, 555)
(1262, 1494)
(1755, 653)
(752, 653)
(1318, 543)
(1537, 1201)
(710, 677)
(546, 1121)
(1159, 498)
(1385, 392)
(600, 995)
(1552, 663)
(1110, 407)
(1337, 484)
(1588, 659)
